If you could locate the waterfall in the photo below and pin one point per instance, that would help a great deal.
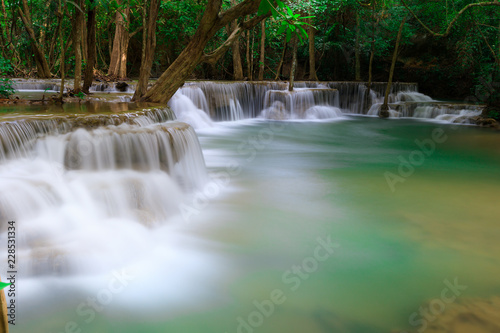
(189, 104)
(300, 103)
(76, 182)
(198, 103)
(172, 147)
(54, 85)
(37, 85)
(238, 100)
(18, 135)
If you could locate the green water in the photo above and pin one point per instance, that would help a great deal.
(292, 183)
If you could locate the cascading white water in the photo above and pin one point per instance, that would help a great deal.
(189, 105)
(300, 103)
(75, 182)
(409, 96)
(197, 103)
(36, 85)
(462, 116)
(323, 112)
(19, 134)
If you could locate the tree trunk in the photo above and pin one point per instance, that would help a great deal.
(77, 43)
(252, 67)
(367, 103)
(294, 63)
(262, 50)
(44, 25)
(370, 67)
(91, 47)
(148, 46)
(235, 48)
(52, 47)
(40, 60)
(183, 66)
(384, 109)
(249, 65)
(4, 39)
(312, 52)
(369, 85)
(278, 70)
(4, 12)
(498, 58)
(61, 41)
(356, 49)
(84, 38)
(118, 63)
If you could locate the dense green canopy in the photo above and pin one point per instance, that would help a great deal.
(451, 48)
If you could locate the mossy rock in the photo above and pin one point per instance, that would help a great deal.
(491, 112)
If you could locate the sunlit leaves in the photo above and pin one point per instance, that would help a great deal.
(291, 23)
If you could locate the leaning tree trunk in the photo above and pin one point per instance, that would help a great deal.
(40, 60)
(312, 52)
(77, 45)
(118, 63)
(294, 63)
(148, 46)
(384, 109)
(91, 46)
(183, 66)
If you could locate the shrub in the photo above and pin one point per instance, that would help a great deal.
(6, 88)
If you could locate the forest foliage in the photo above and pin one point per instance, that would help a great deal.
(464, 63)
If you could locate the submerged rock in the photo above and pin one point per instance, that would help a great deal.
(465, 316)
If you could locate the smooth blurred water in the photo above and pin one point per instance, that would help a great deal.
(276, 188)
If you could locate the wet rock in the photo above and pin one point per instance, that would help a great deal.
(121, 86)
(491, 111)
(485, 122)
(384, 111)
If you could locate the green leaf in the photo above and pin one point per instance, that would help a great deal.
(288, 35)
(303, 31)
(266, 6)
(282, 29)
(3, 285)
